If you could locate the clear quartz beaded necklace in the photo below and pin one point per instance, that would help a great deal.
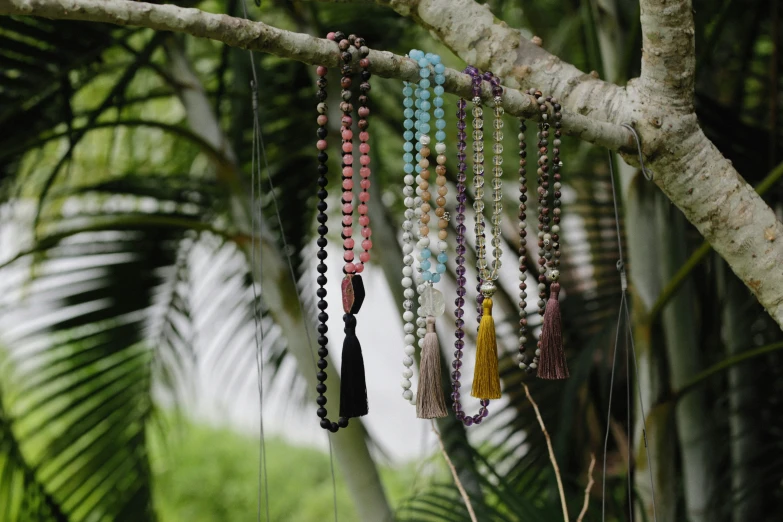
(429, 398)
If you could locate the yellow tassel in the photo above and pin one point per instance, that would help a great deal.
(486, 380)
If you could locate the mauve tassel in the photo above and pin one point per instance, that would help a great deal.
(353, 385)
(430, 403)
(552, 364)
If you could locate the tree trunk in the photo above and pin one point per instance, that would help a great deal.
(695, 432)
(350, 447)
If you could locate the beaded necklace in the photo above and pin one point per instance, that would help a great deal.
(549, 358)
(478, 170)
(429, 399)
(353, 389)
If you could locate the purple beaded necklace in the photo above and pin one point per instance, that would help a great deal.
(459, 343)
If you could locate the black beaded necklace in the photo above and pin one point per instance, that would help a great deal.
(353, 389)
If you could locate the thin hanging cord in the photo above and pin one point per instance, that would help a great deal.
(258, 145)
(628, 435)
(298, 298)
(611, 391)
(255, 206)
(624, 310)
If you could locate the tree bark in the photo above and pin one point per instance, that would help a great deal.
(688, 167)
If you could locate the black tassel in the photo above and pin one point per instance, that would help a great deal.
(353, 385)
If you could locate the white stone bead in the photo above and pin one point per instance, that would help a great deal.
(408, 328)
(421, 332)
(407, 237)
(425, 140)
(408, 202)
(440, 148)
(407, 361)
(407, 271)
(407, 316)
(421, 342)
(407, 282)
(409, 293)
(408, 179)
(407, 373)
(407, 224)
(407, 248)
(409, 338)
(443, 245)
(409, 213)
(522, 225)
(407, 191)
(408, 259)
(421, 322)
(417, 210)
(547, 237)
(409, 349)
(420, 289)
(555, 229)
(407, 395)
(424, 242)
(418, 192)
(406, 384)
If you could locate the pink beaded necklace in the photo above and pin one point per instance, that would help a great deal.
(353, 388)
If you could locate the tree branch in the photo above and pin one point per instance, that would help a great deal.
(689, 169)
(258, 36)
(668, 53)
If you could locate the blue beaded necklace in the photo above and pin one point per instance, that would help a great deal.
(419, 202)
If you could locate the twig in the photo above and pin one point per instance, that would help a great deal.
(590, 483)
(551, 454)
(457, 481)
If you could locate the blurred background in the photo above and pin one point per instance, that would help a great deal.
(128, 371)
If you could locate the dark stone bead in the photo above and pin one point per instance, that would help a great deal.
(322, 157)
(320, 95)
(323, 230)
(321, 206)
(321, 280)
(345, 82)
(321, 82)
(359, 41)
(346, 57)
(343, 422)
(333, 427)
(322, 132)
(321, 218)
(320, 400)
(364, 87)
(321, 242)
(322, 364)
(363, 124)
(460, 414)
(320, 388)
(321, 376)
(455, 375)
(468, 421)
(365, 75)
(352, 38)
(323, 317)
(363, 99)
(346, 70)
(339, 36)
(322, 181)
(321, 268)
(322, 305)
(343, 45)
(322, 170)
(349, 320)
(321, 292)
(325, 424)
(321, 254)
(322, 352)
